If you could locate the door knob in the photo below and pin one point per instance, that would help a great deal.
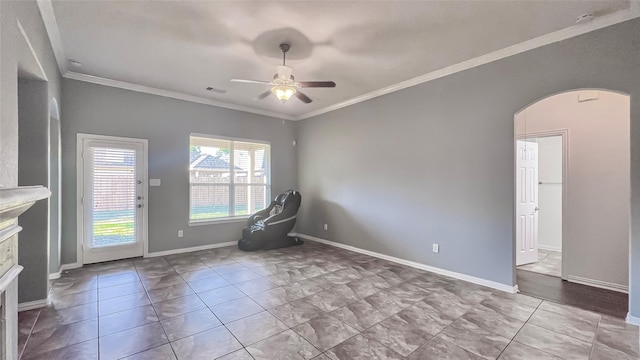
(139, 206)
(536, 209)
(139, 198)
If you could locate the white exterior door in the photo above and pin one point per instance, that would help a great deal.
(526, 202)
(112, 199)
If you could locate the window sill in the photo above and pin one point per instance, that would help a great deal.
(218, 221)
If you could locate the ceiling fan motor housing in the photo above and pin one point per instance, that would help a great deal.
(285, 73)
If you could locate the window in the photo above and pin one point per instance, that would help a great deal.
(227, 178)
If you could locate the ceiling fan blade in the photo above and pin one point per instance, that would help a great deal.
(264, 95)
(325, 84)
(304, 98)
(251, 81)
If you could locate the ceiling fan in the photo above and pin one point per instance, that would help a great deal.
(284, 85)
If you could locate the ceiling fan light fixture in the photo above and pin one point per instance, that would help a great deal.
(284, 84)
(283, 93)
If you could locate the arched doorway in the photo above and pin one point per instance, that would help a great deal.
(573, 188)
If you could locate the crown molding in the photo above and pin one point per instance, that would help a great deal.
(556, 36)
(32, 53)
(51, 25)
(170, 94)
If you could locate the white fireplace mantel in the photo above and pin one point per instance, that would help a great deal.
(13, 202)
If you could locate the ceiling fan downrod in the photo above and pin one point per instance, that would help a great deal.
(284, 47)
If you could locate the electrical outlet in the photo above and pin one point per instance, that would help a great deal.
(326, 226)
(180, 233)
(436, 248)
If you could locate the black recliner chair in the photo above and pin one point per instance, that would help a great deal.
(268, 228)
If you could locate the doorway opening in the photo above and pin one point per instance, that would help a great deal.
(572, 196)
(540, 160)
(112, 193)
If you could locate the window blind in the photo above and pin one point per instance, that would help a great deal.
(113, 196)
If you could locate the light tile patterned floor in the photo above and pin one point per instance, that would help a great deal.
(549, 263)
(304, 302)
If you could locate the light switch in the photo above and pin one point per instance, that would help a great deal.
(154, 182)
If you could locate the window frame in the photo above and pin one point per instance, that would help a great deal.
(231, 184)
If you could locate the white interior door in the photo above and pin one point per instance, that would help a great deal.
(527, 202)
(112, 198)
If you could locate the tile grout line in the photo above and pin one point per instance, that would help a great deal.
(441, 331)
(222, 323)
(157, 316)
(557, 332)
(29, 335)
(595, 337)
(160, 320)
(554, 331)
(386, 318)
(146, 291)
(98, 320)
(522, 327)
(208, 308)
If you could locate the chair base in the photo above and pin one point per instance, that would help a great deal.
(269, 244)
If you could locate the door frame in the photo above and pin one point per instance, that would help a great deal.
(564, 134)
(80, 190)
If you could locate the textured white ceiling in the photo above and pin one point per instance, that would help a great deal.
(362, 46)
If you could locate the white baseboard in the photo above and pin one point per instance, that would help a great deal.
(549, 248)
(63, 268)
(433, 269)
(71, 266)
(36, 304)
(634, 320)
(191, 249)
(598, 284)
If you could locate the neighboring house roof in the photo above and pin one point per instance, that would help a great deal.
(209, 162)
(193, 157)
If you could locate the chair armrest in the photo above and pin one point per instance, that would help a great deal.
(260, 215)
(286, 214)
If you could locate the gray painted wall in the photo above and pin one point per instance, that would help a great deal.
(11, 41)
(435, 163)
(166, 123)
(54, 200)
(15, 56)
(33, 246)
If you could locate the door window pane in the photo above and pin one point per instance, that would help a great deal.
(113, 196)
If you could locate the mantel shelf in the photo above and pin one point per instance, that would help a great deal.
(17, 196)
(16, 200)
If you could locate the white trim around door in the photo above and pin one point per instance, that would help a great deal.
(564, 133)
(140, 246)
